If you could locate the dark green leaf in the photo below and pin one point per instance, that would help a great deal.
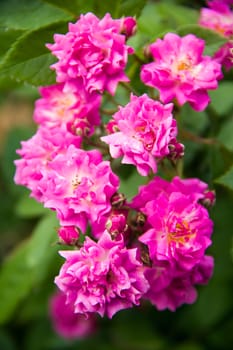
(159, 18)
(117, 8)
(221, 98)
(29, 14)
(225, 134)
(129, 186)
(28, 207)
(226, 179)
(29, 60)
(130, 7)
(26, 266)
(7, 38)
(213, 40)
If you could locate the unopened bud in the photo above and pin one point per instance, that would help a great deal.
(176, 150)
(147, 52)
(209, 198)
(129, 26)
(68, 235)
(118, 200)
(111, 127)
(117, 223)
(140, 219)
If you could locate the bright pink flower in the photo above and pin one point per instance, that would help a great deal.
(192, 187)
(37, 154)
(66, 323)
(178, 291)
(68, 235)
(79, 186)
(181, 71)
(225, 55)
(93, 50)
(178, 228)
(68, 106)
(145, 129)
(103, 277)
(171, 288)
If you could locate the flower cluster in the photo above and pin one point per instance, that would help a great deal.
(152, 247)
(219, 18)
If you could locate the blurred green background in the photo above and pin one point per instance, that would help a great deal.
(28, 249)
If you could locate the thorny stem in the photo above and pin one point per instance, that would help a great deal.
(188, 135)
(108, 112)
(129, 88)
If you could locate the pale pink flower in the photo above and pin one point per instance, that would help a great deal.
(79, 186)
(181, 71)
(94, 50)
(145, 129)
(66, 323)
(37, 154)
(219, 17)
(103, 277)
(69, 107)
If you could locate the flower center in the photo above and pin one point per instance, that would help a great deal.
(181, 234)
(183, 65)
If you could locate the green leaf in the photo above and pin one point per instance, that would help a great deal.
(117, 8)
(226, 179)
(225, 135)
(129, 186)
(29, 14)
(213, 40)
(221, 98)
(28, 60)
(159, 18)
(7, 38)
(74, 6)
(28, 207)
(26, 266)
(130, 7)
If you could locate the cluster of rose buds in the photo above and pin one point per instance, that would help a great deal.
(152, 246)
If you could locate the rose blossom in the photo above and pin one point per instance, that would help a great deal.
(170, 288)
(94, 50)
(37, 154)
(66, 323)
(79, 186)
(178, 227)
(181, 71)
(219, 18)
(68, 106)
(144, 129)
(103, 277)
(180, 230)
(193, 187)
